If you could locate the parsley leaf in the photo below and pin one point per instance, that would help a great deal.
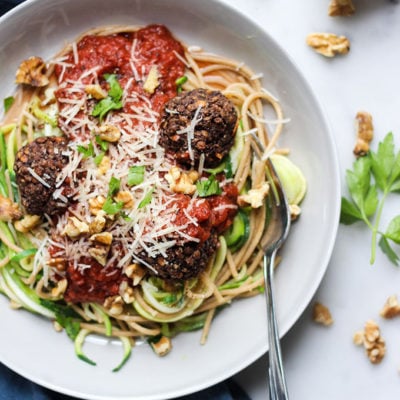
(208, 187)
(113, 186)
(179, 83)
(147, 198)
(371, 180)
(87, 151)
(102, 143)
(113, 101)
(8, 102)
(136, 175)
(65, 316)
(110, 207)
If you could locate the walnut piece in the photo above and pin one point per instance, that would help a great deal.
(152, 82)
(104, 166)
(182, 182)
(96, 205)
(98, 223)
(341, 8)
(32, 72)
(365, 133)
(109, 133)
(125, 197)
(295, 211)
(103, 238)
(372, 341)
(328, 44)
(9, 211)
(95, 91)
(100, 253)
(75, 228)
(391, 308)
(322, 315)
(27, 223)
(135, 272)
(114, 305)
(254, 197)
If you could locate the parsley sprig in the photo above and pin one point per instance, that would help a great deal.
(113, 101)
(371, 180)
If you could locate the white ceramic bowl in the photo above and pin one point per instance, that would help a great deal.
(30, 346)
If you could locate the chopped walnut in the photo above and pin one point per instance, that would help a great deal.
(75, 228)
(328, 44)
(100, 253)
(254, 197)
(391, 308)
(32, 72)
(126, 292)
(98, 223)
(125, 197)
(27, 223)
(9, 211)
(372, 341)
(96, 205)
(103, 238)
(322, 315)
(341, 8)
(365, 133)
(109, 133)
(162, 347)
(182, 182)
(152, 82)
(60, 289)
(95, 91)
(58, 262)
(104, 165)
(135, 272)
(295, 211)
(114, 305)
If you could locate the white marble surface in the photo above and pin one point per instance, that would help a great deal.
(323, 363)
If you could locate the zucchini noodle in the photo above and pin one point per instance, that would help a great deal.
(152, 307)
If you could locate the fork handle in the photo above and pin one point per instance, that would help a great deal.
(276, 377)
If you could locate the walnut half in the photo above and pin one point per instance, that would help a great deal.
(328, 44)
(341, 8)
(32, 72)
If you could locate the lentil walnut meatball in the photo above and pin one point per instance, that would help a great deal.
(184, 261)
(44, 158)
(214, 127)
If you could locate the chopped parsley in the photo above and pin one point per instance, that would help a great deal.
(136, 175)
(208, 187)
(8, 102)
(111, 207)
(113, 101)
(87, 151)
(179, 83)
(147, 198)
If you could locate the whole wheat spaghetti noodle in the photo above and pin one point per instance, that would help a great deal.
(90, 266)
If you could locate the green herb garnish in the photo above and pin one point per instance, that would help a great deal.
(136, 175)
(8, 102)
(208, 187)
(179, 83)
(113, 186)
(102, 143)
(65, 316)
(372, 179)
(87, 151)
(111, 207)
(146, 199)
(113, 101)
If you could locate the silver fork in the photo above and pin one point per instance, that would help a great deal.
(274, 236)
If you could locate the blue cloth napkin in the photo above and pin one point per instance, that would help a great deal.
(15, 387)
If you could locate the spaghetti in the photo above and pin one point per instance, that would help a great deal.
(117, 197)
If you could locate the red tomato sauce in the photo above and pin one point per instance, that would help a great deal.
(112, 54)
